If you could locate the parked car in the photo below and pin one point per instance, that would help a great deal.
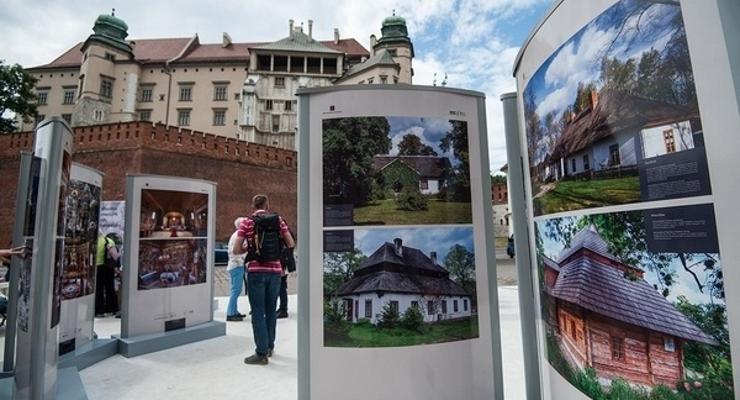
(221, 254)
(510, 247)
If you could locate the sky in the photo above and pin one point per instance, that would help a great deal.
(429, 130)
(474, 42)
(684, 284)
(425, 239)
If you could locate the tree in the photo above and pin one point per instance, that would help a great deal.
(461, 264)
(498, 179)
(411, 145)
(16, 95)
(339, 267)
(456, 140)
(350, 145)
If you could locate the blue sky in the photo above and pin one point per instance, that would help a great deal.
(424, 239)
(684, 285)
(429, 130)
(474, 42)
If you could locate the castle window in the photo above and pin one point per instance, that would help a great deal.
(219, 92)
(146, 95)
(383, 79)
(288, 105)
(183, 117)
(279, 81)
(186, 92)
(145, 115)
(69, 96)
(263, 63)
(268, 105)
(42, 98)
(330, 66)
(219, 117)
(98, 116)
(276, 123)
(313, 65)
(370, 81)
(106, 88)
(110, 56)
(280, 63)
(67, 117)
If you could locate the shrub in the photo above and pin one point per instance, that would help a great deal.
(388, 317)
(587, 382)
(413, 319)
(620, 390)
(662, 392)
(335, 324)
(412, 200)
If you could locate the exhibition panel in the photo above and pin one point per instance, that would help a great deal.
(627, 108)
(168, 263)
(395, 189)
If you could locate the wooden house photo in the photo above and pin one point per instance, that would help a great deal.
(425, 173)
(606, 316)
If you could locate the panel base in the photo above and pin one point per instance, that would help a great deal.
(144, 344)
(69, 386)
(95, 351)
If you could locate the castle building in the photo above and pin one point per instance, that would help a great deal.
(237, 90)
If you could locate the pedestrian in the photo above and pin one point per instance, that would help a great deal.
(262, 233)
(288, 262)
(235, 268)
(106, 264)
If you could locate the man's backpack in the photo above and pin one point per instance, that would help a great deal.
(267, 244)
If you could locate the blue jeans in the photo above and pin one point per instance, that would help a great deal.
(263, 293)
(237, 280)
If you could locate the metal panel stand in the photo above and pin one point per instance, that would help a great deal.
(144, 344)
(89, 354)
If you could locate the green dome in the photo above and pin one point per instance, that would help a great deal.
(110, 26)
(394, 20)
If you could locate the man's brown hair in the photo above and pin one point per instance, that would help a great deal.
(259, 201)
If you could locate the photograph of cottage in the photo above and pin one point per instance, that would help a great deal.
(395, 171)
(622, 320)
(401, 287)
(612, 97)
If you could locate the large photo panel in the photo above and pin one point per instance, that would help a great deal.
(612, 117)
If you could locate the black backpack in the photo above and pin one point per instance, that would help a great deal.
(267, 243)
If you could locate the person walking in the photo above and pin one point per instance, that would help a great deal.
(262, 232)
(235, 268)
(106, 260)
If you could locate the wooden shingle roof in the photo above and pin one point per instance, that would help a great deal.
(426, 166)
(396, 282)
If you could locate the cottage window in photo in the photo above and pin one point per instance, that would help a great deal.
(219, 117)
(279, 82)
(573, 164)
(430, 307)
(67, 117)
(186, 93)
(268, 105)
(454, 306)
(617, 344)
(219, 92)
(670, 141)
(415, 304)
(42, 98)
(69, 96)
(145, 115)
(614, 158)
(573, 329)
(394, 305)
(444, 306)
(183, 117)
(368, 309)
(586, 165)
(465, 304)
(288, 105)
(669, 344)
(106, 88)
(357, 309)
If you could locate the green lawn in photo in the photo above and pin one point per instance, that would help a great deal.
(386, 212)
(579, 194)
(364, 334)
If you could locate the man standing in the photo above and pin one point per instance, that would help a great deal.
(106, 258)
(263, 232)
(235, 268)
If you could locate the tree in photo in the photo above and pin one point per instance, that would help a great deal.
(349, 147)
(461, 264)
(16, 96)
(411, 145)
(339, 267)
(456, 140)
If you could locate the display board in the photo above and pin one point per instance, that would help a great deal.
(80, 245)
(112, 216)
(40, 277)
(169, 243)
(624, 121)
(395, 205)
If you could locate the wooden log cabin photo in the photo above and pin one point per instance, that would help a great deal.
(605, 316)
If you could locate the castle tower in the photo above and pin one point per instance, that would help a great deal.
(395, 39)
(107, 88)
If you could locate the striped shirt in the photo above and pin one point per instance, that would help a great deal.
(246, 230)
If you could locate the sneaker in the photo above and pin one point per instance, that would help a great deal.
(269, 353)
(235, 318)
(242, 315)
(256, 359)
(282, 314)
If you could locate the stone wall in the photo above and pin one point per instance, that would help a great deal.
(240, 169)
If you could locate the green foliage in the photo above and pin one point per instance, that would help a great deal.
(412, 200)
(336, 325)
(461, 264)
(411, 145)
(621, 390)
(587, 382)
(413, 319)
(498, 179)
(16, 95)
(458, 180)
(399, 176)
(388, 317)
(349, 146)
(338, 268)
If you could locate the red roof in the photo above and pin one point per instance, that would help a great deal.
(348, 46)
(216, 52)
(158, 50)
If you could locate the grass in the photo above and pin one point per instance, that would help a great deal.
(579, 194)
(367, 335)
(385, 212)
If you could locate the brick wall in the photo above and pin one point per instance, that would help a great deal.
(240, 169)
